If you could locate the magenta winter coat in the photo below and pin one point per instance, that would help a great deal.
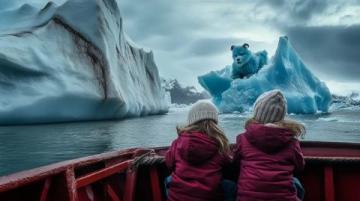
(196, 166)
(268, 157)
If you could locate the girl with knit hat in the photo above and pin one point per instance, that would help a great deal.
(197, 157)
(268, 153)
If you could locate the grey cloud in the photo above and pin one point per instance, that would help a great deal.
(302, 11)
(147, 18)
(332, 50)
(305, 9)
(157, 18)
(213, 46)
(275, 3)
(167, 43)
(210, 46)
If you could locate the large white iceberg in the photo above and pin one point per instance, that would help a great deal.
(73, 62)
(304, 92)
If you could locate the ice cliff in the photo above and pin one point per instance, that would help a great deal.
(305, 93)
(73, 62)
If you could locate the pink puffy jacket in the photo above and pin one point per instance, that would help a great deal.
(267, 157)
(196, 166)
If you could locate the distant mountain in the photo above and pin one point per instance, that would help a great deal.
(183, 95)
(351, 100)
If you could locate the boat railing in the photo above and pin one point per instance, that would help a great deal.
(73, 179)
(331, 173)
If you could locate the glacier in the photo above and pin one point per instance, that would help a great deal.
(73, 62)
(304, 92)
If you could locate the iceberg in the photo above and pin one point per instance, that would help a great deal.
(73, 62)
(304, 92)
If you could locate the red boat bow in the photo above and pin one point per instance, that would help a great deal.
(332, 173)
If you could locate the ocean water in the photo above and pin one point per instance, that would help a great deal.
(25, 147)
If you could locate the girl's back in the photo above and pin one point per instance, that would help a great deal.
(196, 164)
(268, 156)
(268, 153)
(197, 157)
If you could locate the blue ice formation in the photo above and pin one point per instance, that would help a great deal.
(73, 62)
(245, 63)
(304, 92)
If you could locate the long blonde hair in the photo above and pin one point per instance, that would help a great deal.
(297, 128)
(210, 128)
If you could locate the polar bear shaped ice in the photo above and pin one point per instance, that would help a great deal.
(245, 63)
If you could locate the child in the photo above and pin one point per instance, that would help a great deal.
(268, 152)
(197, 157)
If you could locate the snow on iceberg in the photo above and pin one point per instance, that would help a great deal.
(305, 93)
(73, 62)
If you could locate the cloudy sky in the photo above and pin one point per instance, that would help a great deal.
(190, 38)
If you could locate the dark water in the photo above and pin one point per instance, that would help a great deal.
(24, 147)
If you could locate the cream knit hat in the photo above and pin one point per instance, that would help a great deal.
(270, 107)
(202, 110)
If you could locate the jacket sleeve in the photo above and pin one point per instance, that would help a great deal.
(298, 157)
(170, 156)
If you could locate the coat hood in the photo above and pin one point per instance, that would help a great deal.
(196, 148)
(269, 139)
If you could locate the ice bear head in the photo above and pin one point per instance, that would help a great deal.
(241, 54)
